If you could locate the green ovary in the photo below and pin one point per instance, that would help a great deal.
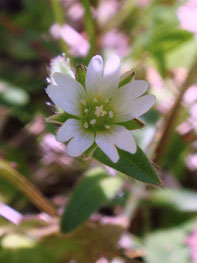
(97, 115)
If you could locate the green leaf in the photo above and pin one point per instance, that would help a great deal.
(126, 78)
(81, 74)
(93, 191)
(168, 245)
(135, 165)
(133, 124)
(59, 118)
(12, 95)
(179, 199)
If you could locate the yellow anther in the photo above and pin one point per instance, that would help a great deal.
(92, 122)
(107, 126)
(85, 125)
(100, 111)
(111, 114)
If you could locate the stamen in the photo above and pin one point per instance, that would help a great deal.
(85, 125)
(107, 127)
(86, 110)
(92, 122)
(99, 111)
(111, 114)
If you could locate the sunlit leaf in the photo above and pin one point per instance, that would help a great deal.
(179, 199)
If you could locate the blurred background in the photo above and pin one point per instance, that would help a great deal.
(156, 39)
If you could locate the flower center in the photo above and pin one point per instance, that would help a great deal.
(97, 115)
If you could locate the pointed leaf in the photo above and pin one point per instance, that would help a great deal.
(59, 118)
(135, 165)
(92, 192)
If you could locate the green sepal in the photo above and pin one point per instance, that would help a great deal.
(126, 78)
(81, 74)
(133, 124)
(59, 118)
(89, 152)
(134, 165)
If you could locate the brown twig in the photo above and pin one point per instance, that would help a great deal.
(171, 117)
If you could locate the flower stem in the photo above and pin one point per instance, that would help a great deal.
(121, 16)
(60, 19)
(90, 27)
(24, 185)
(170, 120)
(136, 191)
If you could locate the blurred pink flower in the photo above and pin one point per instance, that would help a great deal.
(144, 3)
(125, 242)
(187, 15)
(179, 75)
(79, 46)
(102, 260)
(76, 11)
(193, 111)
(191, 162)
(192, 243)
(185, 127)
(106, 10)
(165, 98)
(190, 95)
(49, 143)
(116, 41)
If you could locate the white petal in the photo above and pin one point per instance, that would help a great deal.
(80, 140)
(107, 146)
(134, 109)
(67, 94)
(120, 137)
(94, 75)
(111, 76)
(125, 141)
(80, 144)
(67, 130)
(129, 92)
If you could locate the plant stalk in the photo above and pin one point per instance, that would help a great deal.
(24, 185)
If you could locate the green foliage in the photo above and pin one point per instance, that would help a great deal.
(134, 165)
(179, 199)
(133, 124)
(12, 95)
(59, 118)
(168, 246)
(81, 74)
(150, 39)
(92, 192)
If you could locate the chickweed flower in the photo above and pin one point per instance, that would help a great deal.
(98, 110)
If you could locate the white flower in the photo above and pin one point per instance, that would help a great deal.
(99, 109)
